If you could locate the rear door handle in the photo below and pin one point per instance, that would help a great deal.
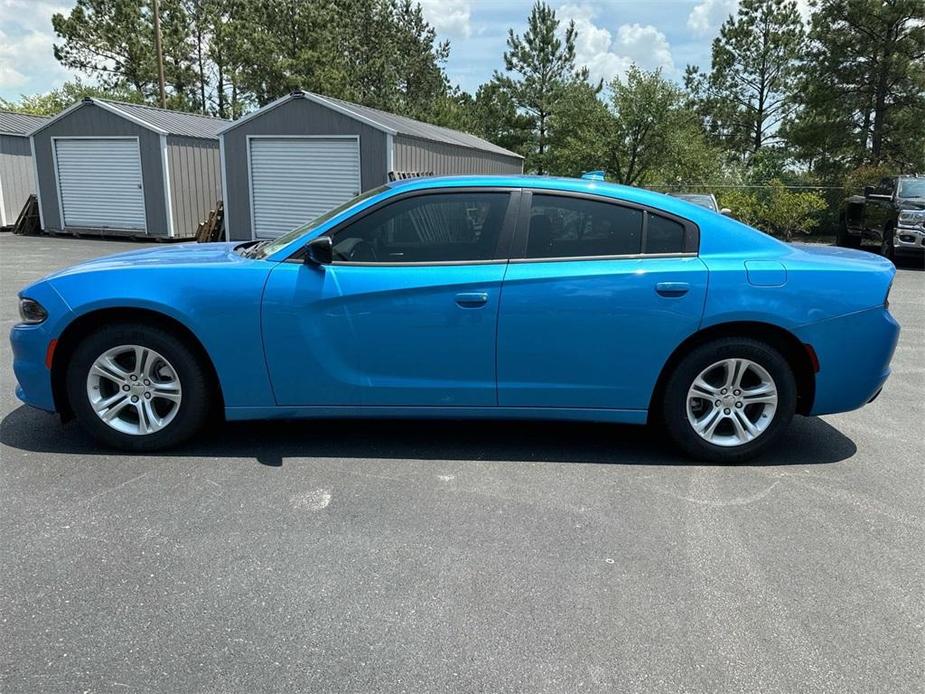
(472, 299)
(672, 288)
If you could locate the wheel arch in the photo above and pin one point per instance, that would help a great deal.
(798, 356)
(86, 323)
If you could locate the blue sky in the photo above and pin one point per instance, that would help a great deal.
(612, 35)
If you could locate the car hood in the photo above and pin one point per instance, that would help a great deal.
(910, 203)
(191, 254)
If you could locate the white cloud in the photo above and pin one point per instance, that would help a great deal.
(607, 56)
(449, 17)
(708, 15)
(27, 63)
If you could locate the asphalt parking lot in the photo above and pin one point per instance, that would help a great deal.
(461, 556)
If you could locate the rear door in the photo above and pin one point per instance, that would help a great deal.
(406, 316)
(598, 297)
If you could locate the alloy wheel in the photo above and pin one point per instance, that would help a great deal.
(732, 402)
(134, 389)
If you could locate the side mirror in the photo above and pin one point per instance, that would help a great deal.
(726, 212)
(868, 190)
(320, 251)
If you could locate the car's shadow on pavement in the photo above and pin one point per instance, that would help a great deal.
(808, 441)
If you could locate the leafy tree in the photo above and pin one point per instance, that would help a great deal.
(776, 210)
(580, 125)
(648, 109)
(55, 101)
(863, 92)
(747, 93)
(542, 65)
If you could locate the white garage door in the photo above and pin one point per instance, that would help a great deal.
(99, 183)
(293, 180)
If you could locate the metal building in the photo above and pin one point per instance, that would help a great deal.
(107, 167)
(303, 154)
(17, 175)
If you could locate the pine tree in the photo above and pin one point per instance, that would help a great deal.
(543, 66)
(863, 93)
(747, 94)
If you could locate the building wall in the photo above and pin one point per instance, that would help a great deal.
(92, 121)
(17, 176)
(423, 156)
(297, 116)
(195, 181)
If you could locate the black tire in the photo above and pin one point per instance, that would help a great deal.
(674, 406)
(194, 407)
(887, 249)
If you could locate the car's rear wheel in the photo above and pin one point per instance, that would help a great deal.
(729, 399)
(137, 387)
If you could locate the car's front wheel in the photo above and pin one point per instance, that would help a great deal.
(887, 247)
(729, 399)
(137, 387)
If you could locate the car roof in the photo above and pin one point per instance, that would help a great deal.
(618, 191)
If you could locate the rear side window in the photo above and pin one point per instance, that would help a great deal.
(444, 227)
(570, 227)
(664, 235)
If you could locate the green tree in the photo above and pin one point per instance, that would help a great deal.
(863, 91)
(539, 66)
(648, 110)
(747, 94)
(776, 209)
(646, 134)
(494, 116)
(53, 102)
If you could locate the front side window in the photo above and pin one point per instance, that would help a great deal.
(567, 227)
(441, 227)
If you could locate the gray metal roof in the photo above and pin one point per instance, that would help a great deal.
(160, 120)
(416, 128)
(19, 123)
(389, 122)
(171, 122)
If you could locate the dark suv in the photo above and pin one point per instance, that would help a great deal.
(891, 213)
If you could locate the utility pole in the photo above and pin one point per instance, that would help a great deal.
(160, 53)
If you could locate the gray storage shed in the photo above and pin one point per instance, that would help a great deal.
(17, 175)
(305, 153)
(107, 167)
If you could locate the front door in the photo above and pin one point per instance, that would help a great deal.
(407, 313)
(601, 297)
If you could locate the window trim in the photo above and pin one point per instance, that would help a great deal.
(519, 247)
(500, 255)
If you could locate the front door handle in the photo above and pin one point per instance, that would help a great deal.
(672, 288)
(472, 299)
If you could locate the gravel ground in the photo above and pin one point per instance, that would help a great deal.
(461, 556)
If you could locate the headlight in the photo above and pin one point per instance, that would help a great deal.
(911, 218)
(31, 311)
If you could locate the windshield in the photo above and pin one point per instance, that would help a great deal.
(911, 188)
(270, 246)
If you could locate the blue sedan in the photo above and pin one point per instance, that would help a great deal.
(482, 297)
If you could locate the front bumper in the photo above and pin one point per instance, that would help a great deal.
(909, 238)
(30, 347)
(854, 358)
